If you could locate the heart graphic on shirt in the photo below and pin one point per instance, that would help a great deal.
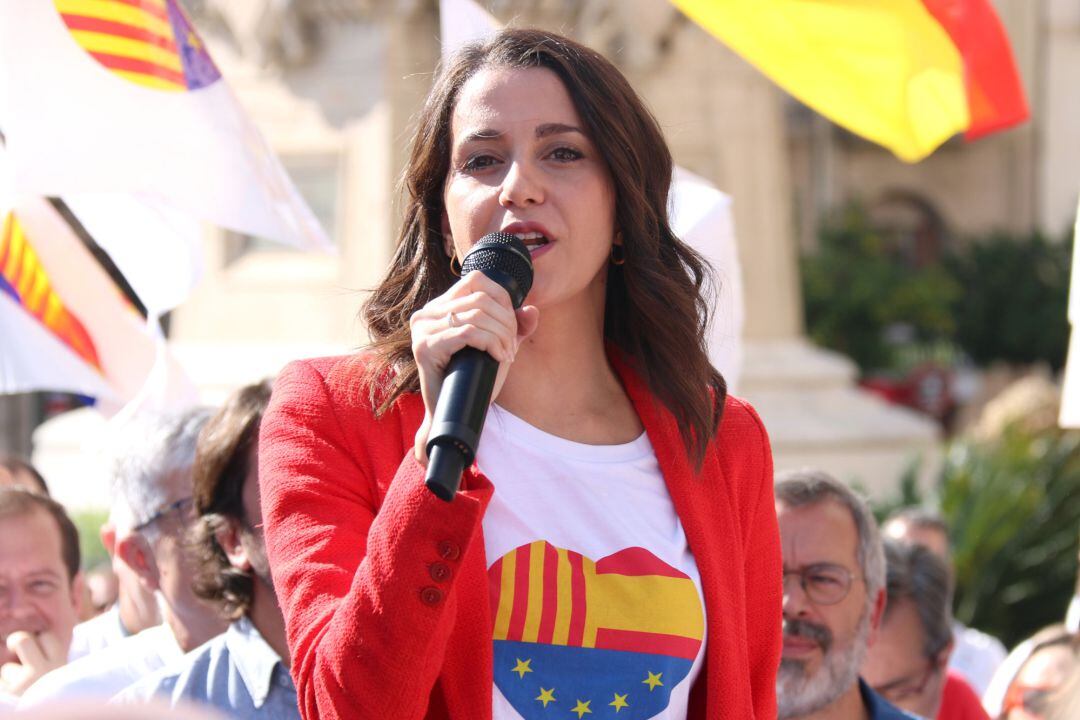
(611, 638)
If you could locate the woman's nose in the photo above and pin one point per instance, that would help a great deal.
(521, 186)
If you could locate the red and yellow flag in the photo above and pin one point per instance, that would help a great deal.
(907, 74)
(23, 277)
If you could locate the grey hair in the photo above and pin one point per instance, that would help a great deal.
(799, 488)
(920, 517)
(916, 574)
(151, 449)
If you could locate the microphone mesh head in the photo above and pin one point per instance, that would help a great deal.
(504, 259)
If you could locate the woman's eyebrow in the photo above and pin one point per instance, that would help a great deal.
(543, 131)
(485, 134)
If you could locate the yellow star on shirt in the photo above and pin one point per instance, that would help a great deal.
(653, 680)
(522, 667)
(581, 708)
(619, 702)
(546, 696)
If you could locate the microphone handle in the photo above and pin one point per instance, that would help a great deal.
(459, 419)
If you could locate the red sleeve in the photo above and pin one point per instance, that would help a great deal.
(368, 605)
(959, 701)
(764, 584)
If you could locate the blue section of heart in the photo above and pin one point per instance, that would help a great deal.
(576, 675)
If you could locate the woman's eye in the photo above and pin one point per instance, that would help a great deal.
(566, 154)
(479, 162)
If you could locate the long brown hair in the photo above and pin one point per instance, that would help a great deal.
(656, 311)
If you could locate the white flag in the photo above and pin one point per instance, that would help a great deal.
(701, 217)
(462, 22)
(114, 97)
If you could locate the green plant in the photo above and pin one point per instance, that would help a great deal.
(88, 523)
(1015, 298)
(857, 285)
(1014, 511)
(1013, 508)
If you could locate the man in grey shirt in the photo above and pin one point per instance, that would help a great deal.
(244, 671)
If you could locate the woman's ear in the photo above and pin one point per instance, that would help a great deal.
(448, 236)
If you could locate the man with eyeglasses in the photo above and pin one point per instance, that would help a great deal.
(153, 477)
(908, 663)
(834, 596)
(245, 670)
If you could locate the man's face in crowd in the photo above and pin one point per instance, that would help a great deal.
(36, 594)
(824, 643)
(166, 534)
(897, 666)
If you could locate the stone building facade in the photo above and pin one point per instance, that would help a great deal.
(333, 84)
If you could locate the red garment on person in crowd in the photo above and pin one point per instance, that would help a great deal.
(384, 587)
(959, 701)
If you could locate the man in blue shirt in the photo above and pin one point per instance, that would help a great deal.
(834, 596)
(244, 671)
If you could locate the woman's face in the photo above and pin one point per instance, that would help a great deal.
(1043, 674)
(521, 162)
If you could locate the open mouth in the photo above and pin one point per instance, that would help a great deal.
(533, 240)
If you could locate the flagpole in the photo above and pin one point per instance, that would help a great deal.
(100, 255)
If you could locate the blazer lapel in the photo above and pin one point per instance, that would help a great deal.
(697, 497)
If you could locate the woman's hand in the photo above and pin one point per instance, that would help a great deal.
(475, 312)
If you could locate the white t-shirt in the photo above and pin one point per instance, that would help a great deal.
(596, 598)
(97, 633)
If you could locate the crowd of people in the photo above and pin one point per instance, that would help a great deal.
(619, 542)
(867, 623)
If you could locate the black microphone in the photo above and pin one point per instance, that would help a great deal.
(470, 375)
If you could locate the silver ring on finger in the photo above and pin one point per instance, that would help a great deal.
(451, 318)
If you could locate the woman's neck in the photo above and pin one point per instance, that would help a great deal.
(562, 382)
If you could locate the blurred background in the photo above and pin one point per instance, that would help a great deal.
(905, 323)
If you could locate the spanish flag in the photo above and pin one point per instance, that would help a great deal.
(906, 74)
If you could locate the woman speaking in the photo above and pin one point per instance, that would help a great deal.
(613, 550)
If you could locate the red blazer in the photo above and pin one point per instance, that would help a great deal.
(384, 587)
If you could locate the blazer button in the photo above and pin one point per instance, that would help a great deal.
(440, 572)
(431, 596)
(449, 550)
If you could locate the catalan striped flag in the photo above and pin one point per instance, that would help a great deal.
(907, 74)
(149, 42)
(122, 96)
(24, 279)
(65, 323)
(588, 636)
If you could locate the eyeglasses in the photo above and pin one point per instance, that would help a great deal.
(183, 506)
(913, 685)
(823, 583)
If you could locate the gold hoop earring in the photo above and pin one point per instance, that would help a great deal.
(618, 255)
(455, 266)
